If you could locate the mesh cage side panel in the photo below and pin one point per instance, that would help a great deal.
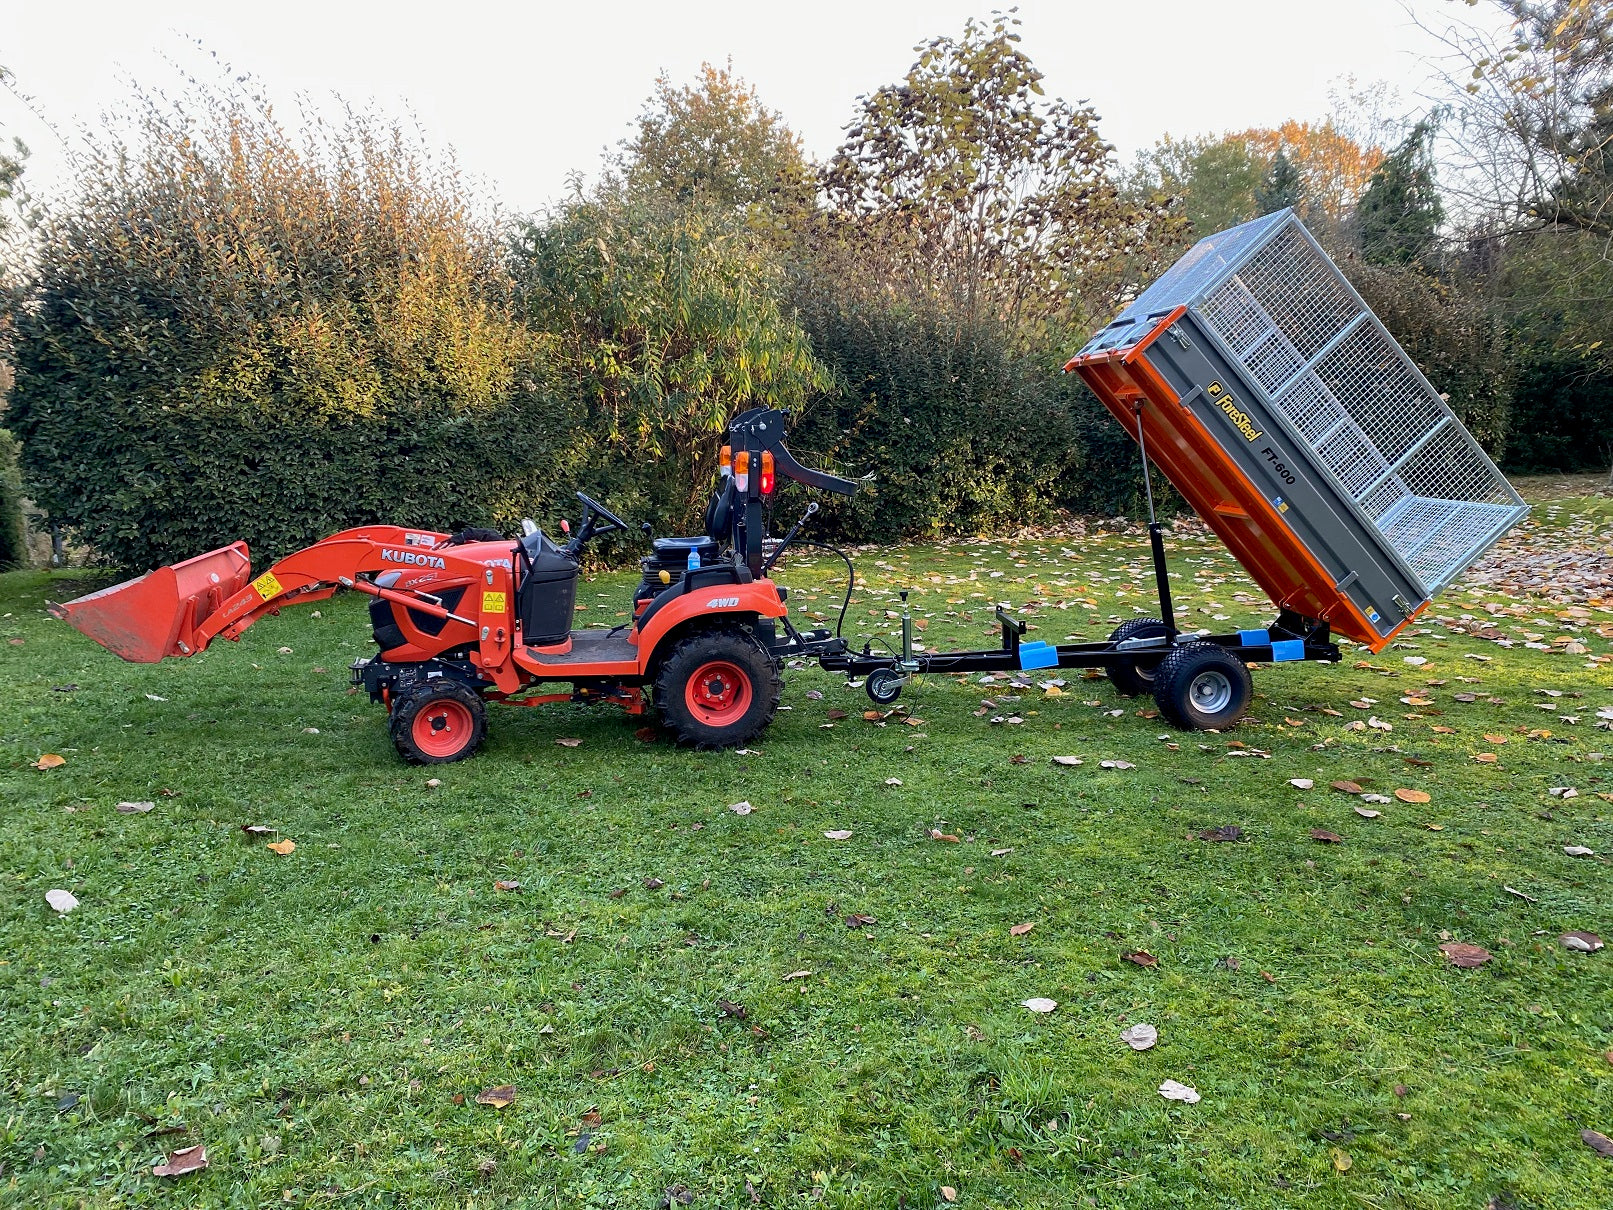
(1183, 283)
(1370, 376)
(1311, 408)
(1302, 295)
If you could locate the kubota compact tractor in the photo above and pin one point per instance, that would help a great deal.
(467, 618)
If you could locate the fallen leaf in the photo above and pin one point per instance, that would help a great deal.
(1326, 837)
(653, 884)
(433, 783)
(1578, 850)
(1585, 943)
(1226, 834)
(838, 834)
(1116, 764)
(937, 834)
(135, 808)
(569, 743)
(741, 808)
(1001, 852)
(796, 975)
(1416, 796)
(859, 921)
(1597, 1142)
(1067, 761)
(1140, 1036)
(1486, 758)
(646, 735)
(505, 885)
(1563, 792)
(893, 781)
(50, 761)
(1171, 1090)
(1346, 787)
(1464, 955)
(282, 847)
(949, 1193)
(1140, 957)
(185, 1160)
(1019, 930)
(257, 829)
(499, 1098)
(62, 901)
(1341, 1160)
(1367, 812)
(1302, 783)
(1040, 1004)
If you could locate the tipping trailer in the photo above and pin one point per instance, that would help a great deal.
(1258, 380)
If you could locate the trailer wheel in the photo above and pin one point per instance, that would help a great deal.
(438, 721)
(1202, 687)
(884, 685)
(717, 688)
(1130, 678)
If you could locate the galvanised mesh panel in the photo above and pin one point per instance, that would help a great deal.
(1310, 346)
(1304, 298)
(1187, 281)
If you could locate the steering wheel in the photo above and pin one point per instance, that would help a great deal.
(590, 505)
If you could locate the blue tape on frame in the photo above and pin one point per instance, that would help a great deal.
(1289, 649)
(1038, 655)
(1254, 638)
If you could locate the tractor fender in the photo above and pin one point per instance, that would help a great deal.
(742, 603)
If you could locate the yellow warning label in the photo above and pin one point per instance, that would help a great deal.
(493, 602)
(266, 585)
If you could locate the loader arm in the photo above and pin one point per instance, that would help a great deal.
(178, 610)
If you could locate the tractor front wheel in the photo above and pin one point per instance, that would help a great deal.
(717, 688)
(438, 721)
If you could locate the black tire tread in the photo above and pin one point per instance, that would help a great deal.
(410, 703)
(1128, 679)
(1177, 670)
(716, 642)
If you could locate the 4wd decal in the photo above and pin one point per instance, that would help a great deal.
(413, 558)
(722, 602)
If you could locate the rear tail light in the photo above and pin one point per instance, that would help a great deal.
(742, 470)
(767, 474)
(725, 465)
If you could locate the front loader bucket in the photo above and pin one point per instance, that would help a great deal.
(154, 616)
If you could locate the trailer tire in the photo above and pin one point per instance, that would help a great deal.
(438, 721)
(884, 685)
(717, 688)
(1202, 687)
(1130, 678)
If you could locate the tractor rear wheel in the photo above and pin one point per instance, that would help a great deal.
(1130, 678)
(1202, 687)
(717, 688)
(438, 721)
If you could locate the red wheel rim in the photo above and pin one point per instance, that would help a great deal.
(442, 728)
(718, 693)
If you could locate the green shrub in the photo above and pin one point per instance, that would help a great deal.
(230, 335)
(1562, 416)
(13, 529)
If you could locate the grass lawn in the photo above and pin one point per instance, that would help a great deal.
(324, 1020)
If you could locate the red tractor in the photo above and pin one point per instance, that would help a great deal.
(472, 617)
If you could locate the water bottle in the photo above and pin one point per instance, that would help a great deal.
(694, 559)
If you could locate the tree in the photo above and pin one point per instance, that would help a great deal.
(1400, 212)
(665, 321)
(12, 160)
(1213, 178)
(714, 143)
(962, 185)
(1529, 146)
(228, 332)
(1280, 188)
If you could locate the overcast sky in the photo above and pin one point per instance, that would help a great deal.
(529, 93)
